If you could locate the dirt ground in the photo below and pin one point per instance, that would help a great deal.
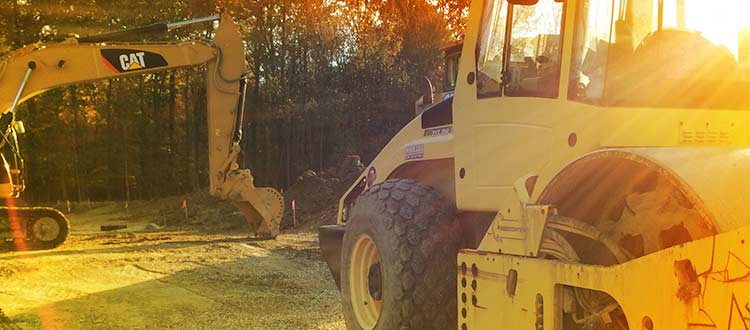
(168, 279)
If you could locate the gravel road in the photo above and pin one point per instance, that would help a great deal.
(170, 280)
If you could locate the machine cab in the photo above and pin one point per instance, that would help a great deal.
(452, 57)
(452, 52)
(548, 81)
(11, 174)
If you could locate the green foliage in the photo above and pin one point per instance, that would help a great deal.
(330, 78)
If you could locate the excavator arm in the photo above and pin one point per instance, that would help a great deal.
(35, 69)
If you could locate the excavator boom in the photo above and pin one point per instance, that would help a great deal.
(37, 68)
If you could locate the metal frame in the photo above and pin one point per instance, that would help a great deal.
(699, 285)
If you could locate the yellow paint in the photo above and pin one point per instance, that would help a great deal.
(499, 143)
(643, 287)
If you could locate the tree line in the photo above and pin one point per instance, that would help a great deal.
(330, 78)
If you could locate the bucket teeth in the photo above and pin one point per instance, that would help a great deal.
(262, 207)
(267, 201)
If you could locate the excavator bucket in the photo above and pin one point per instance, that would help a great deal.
(262, 207)
(273, 203)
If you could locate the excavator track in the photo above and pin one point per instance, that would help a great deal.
(35, 228)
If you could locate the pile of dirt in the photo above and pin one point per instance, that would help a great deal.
(203, 211)
(193, 211)
(6, 323)
(316, 194)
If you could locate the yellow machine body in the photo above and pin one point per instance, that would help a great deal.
(520, 161)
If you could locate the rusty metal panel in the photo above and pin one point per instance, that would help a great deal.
(703, 284)
(718, 178)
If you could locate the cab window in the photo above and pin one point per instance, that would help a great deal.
(451, 71)
(491, 42)
(668, 53)
(591, 50)
(534, 57)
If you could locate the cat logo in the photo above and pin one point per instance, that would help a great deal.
(127, 60)
(132, 61)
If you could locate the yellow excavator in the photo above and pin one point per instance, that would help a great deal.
(34, 69)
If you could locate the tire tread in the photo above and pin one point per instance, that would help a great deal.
(427, 241)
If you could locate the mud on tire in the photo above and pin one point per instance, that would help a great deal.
(417, 238)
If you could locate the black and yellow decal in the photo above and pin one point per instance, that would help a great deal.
(127, 60)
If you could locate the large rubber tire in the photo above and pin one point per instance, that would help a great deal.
(417, 238)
